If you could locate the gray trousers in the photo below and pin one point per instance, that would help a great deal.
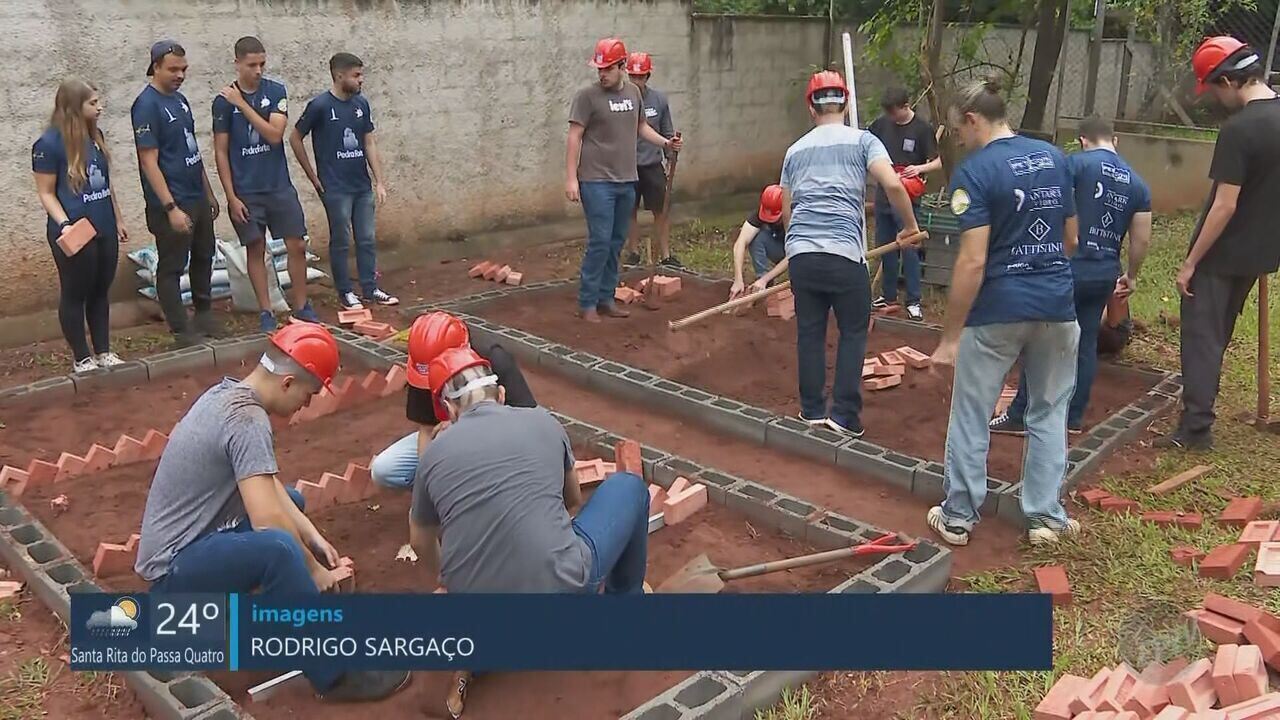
(1208, 321)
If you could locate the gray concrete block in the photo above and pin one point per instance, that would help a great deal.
(793, 515)
(1010, 506)
(926, 483)
(931, 576)
(179, 362)
(130, 373)
(753, 501)
(241, 351)
(155, 697)
(11, 516)
(225, 711)
(891, 570)
(1171, 386)
(718, 485)
(861, 586)
(734, 418)
(580, 433)
(792, 435)
(666, 471)
(824, 537)
(45, 390)
(761, 690)
(625, 382)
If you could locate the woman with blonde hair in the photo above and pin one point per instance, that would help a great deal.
(71, 163)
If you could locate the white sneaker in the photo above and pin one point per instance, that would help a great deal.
(915, 312)
(349, 301)
(383, 298)
(938, 523)
(84, 366)
(1049, 536)
(109, 360)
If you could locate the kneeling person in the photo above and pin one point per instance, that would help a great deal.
(763, 235)
(217, 519)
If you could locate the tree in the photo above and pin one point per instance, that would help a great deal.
(1051, 16)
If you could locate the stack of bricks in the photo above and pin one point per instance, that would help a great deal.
(885, 371)
(127, 450)
(668, 287)
(347, 393)
(354, 485)
(781, 304)
(626, 295)
(677, 502)
(1102, 500)
(592, 472)
(351, 317)
(115, 559)
(375, 330)
(1231, 622)
(496, 272)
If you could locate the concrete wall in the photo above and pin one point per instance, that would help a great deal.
(470, 98)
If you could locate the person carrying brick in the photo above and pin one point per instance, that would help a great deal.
(430, 335)
(217, 518)
(1111, 201)
(496, 502)
(1011, 296)
(600, 172)
(651, 185)
(1235, 242)
(824, 177)
(763, 236)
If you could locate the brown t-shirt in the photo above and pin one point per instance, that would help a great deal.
(611, 119)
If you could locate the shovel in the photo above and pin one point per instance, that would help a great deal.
(699, 576)
(650, 290)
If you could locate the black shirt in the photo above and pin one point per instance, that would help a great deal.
(755, 222)
(420, 409)
(910, 144)
(1247, 154)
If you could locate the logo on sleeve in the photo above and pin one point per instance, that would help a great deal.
(359, 112)
(959, 201)
(283, 105)
(651, 112)
(142, 130)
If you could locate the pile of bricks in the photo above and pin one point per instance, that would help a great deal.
(1231, 622)
(592, 472)
(781, 304)
(668, 287)
(127, 450)
(887, 370)
(626, 295)
(677, 502)
(354, 485)
(116, 559)
(347, 393)
(488, 270)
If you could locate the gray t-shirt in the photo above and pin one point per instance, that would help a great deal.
(611, 120)
(657, 112)
(493, 482)
(224, 438)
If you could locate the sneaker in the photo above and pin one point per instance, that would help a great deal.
(879, 303)
(267, 321)
(1075, 429)
(382, 298)
(953, 534)
(852, 429)
(631, 258)
(813, 422)
(307, 314)
(86, 365)
(456, 700)
(915, 312)
(1005, 425)
(349, 301)
(1049, 536)
(109, 360)
(206, 324)
(366, 686)
(671, 261)
(1178, 440)
(612, 310)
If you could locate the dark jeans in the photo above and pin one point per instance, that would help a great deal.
(887, 228)
(615, 525)
(348, 211)
(608, 207)
(175, 249)
(822, 283)
(1091, 300)
(86, 279)
(1208, 322)
(244, 560)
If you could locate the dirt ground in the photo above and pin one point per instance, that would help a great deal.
(752, 358)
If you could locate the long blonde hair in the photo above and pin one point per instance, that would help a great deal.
(68, 119)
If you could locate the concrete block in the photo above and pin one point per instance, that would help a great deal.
(124, 375)
(796, 436)
(737, 419)
(45, 390)
(178, 362)
(754, 502)
(793, 514)
(666, 471)
(718, 485)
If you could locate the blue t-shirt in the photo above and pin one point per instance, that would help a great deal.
(826, 173)
(49, 157)
(1021, 188)
(256, 166)
(165, 122)
(1108, 194)
(337, 129)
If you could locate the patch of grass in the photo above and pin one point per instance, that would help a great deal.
(22, 692)
(794, 705)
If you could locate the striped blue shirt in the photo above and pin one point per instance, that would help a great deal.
(826, 173)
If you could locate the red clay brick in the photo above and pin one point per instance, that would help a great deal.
(589, 472)
(1150, 694)
(1056, 703)
(1218, 628)
(892, 357)
(153, 444)
(1179, 480)
(478, 269)
(352, 395)
(345, 574)
(667, 286)
(359, 481)
(1093, 497)
(491, 272)
(1052, 580)
(1230, 607)
(128, 450)
(115, 559)
(69, 466)
(313, 494)
(1192, 688)
(40, 472)
(1224, 674)
(869, 368)
(395, 380)
(626, 455)
(372, 328)
(1266, 707)
(1185, 555)
(1160, 517)
(373, 384)
(1173, 712)
(1090, 694)
(1266, 638)
(888, 370)
(1118, 505)
(13, 481)
(503, 272)
(1250, 673)
(914, 357)
(351, 317)
(1119, 687)
(625, 295)
(9, 589)
(882, 383)
(1224, 561)
(679, 485)
(657, 498)
(1266, 571)
(1190, 521)
(1259, 531)
(679, 506)
(1240, 512)
(336, 487)
(98, 459)
(515, 278)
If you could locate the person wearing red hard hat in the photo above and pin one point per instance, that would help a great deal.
(824, 178)
(600, 172)
(1235, 241)
(652, 184)
(913, 148)
(217, 518)
(762, 235)
(429, 336)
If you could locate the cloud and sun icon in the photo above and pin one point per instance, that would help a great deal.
(118, 620)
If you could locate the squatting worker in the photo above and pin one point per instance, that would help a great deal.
(1011, 296)
(181, 206)
(600, 171)
(72, 171)
(763, 236)
(430, 335)
(1111, 201)
(249, 119)
(1235, 242)
(913, 148)
(824, 177)
(651, 185)
(217, 519)
(495, 495)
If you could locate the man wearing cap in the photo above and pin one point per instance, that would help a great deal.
(1235, 241)
(600, 172)
(430, 335)
(652, 184)
(217, 519)
(763, 236)
(180, 206)
(913, 148)
(824, 182)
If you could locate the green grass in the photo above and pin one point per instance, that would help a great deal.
(22, 692)
(795, 705)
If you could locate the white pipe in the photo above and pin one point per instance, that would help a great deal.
(848, 78)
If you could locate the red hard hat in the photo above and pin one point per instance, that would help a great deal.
(609, 52)
(1211, 57)
(430, 335)
(311, 346)
(915, 185)
(639, 63)
(825, 80)
(771, 204)
(446, 365)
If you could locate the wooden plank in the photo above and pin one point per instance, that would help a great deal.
(1180, 479)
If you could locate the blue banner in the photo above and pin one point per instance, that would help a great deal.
(563, 632)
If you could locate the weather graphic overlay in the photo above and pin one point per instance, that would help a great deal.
(142, 631)
(117, 621)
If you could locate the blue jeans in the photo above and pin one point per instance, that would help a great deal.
(347, 211)
(397, 466)
(608, 207)
(1091, 300)
(1048, 352)
(887, 228)
(615, 525)
(823, 283)
(767, 250)
(243, 560)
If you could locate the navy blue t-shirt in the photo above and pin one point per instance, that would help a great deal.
(1108, 194)
(256, 166)
(337, 129)
(165, 122)
(1021, 188)
(49, 157)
